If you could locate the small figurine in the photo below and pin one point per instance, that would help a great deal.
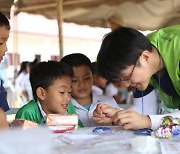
(170, 127)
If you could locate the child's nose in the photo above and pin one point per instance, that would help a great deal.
(81, 82)
(67, 97)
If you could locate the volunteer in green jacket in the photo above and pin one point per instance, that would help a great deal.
(145, 64)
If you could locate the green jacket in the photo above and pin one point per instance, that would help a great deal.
(31, 112)
(167, 42)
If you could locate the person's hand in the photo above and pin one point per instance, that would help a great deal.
(103, 113)
(3, 121)
(129, 119)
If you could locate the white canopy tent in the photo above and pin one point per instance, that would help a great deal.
(139, 14)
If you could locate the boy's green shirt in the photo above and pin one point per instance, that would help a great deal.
(167, 42)
(31, 112)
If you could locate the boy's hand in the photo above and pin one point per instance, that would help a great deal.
(103, 113)
(129, 119)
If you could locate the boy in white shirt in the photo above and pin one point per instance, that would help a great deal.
(83, 99)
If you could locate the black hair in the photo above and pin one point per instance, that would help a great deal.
(76, 60)
(44, 73)
(94, 68)
(4, 21)
(23, 66)
(120, 48)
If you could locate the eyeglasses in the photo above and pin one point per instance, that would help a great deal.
(127, 79)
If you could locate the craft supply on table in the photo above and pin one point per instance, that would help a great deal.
(143, 132)
(169, 127)
(145, 144)
(62, 123)
(101, 130)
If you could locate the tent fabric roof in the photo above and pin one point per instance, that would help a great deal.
(5, 6)
(139, 14)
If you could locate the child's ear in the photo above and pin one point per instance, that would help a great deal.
(41, 93)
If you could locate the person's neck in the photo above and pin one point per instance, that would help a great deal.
(157, 60)
(44, 107)
(84, 101)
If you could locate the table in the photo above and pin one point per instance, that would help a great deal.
(84, 141)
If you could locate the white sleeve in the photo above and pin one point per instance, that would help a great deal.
(111, 90)
(24, 82)
(156, 119)
(149, 105)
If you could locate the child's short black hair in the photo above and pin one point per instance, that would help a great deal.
(76, 60)
(4, 21)
(94, 68)
(44, 73)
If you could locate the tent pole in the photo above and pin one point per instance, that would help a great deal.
(60, 21)
(15, 60)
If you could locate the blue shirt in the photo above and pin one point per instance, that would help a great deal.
(3, 101)
(87, 107)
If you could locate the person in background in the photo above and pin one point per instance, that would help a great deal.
(51, 86)
(144, 64)
(117, 91)
(99, 83)
(83, 99)
(24, 70)
(3, 70)
(7, 84)
(4, 35)
(100, 86)
(25, 83)
(37, 59)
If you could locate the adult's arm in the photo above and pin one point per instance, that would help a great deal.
(3, 121)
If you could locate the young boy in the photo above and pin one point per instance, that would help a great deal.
(82, 98)
(51, 86)
(4, 35)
